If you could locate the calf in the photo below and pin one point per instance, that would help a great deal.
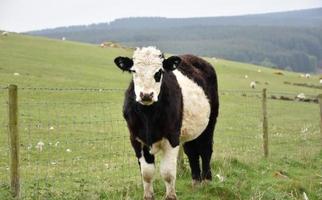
(170, 100)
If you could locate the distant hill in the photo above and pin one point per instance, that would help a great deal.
(288, 40)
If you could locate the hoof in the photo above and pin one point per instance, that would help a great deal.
(206, 182)
(171, 197)
(148, 197)
(195, 183)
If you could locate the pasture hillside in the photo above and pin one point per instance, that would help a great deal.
(74, 143)
(52, 63)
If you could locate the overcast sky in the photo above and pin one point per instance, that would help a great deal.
(23, 15)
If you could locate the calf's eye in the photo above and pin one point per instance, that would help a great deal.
(157, 75)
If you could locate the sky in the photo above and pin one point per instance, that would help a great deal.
(26, 15)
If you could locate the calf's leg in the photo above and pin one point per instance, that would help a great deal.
(205, 149)
(191, 150)
(168, 168)
(147, 167)
(206, 153)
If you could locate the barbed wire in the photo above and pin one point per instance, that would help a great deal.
(73, 89)
(70, 103)
(3, 87)
(123, 89)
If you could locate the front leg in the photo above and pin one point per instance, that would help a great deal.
(168, 168)
(147, 171)
(147, 167)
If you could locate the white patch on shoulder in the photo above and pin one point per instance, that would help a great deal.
(196, 108)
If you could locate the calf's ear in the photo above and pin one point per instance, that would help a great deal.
(171, 63)
(124, 63)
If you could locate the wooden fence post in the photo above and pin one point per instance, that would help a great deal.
(320, 103)
(14, 141)
(265, 123)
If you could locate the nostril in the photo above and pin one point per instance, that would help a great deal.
(146, 96)
(151, 95)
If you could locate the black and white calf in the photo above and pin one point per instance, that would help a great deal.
(170, 101)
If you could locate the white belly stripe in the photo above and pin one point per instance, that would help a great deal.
(196, 108)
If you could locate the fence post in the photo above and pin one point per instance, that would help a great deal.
(14, 141)
(265, 123)
(320, 103)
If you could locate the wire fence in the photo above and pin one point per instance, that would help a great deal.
(4, 147)
(76, 140)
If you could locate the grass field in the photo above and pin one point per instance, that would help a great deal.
(86, 152)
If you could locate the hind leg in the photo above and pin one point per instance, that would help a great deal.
(206, 154)
(205, 148)
(191, 150)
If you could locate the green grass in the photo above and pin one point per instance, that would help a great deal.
(101, 163)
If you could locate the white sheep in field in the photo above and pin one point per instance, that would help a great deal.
(63, 38)
(252, 84)
(4, 33)
(300, 96)
(246, 76)
(320, 81)
(40, 145)
(307, 75)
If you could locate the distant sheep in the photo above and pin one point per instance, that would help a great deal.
(5, 33)
(246, 76)
(320, 81)
(307, 75)
(259, 71)
(40, 145)
(252, 84)
(63, 38)
(300, 96)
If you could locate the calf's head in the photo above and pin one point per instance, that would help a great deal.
(147, 67)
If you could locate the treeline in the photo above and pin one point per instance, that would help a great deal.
(290, 40)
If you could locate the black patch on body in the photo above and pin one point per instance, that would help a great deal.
(160, 120)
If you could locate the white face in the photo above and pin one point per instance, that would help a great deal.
(147, 73)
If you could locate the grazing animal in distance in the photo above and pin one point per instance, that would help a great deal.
(252, 84)
(170, 101)
(4, 33)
